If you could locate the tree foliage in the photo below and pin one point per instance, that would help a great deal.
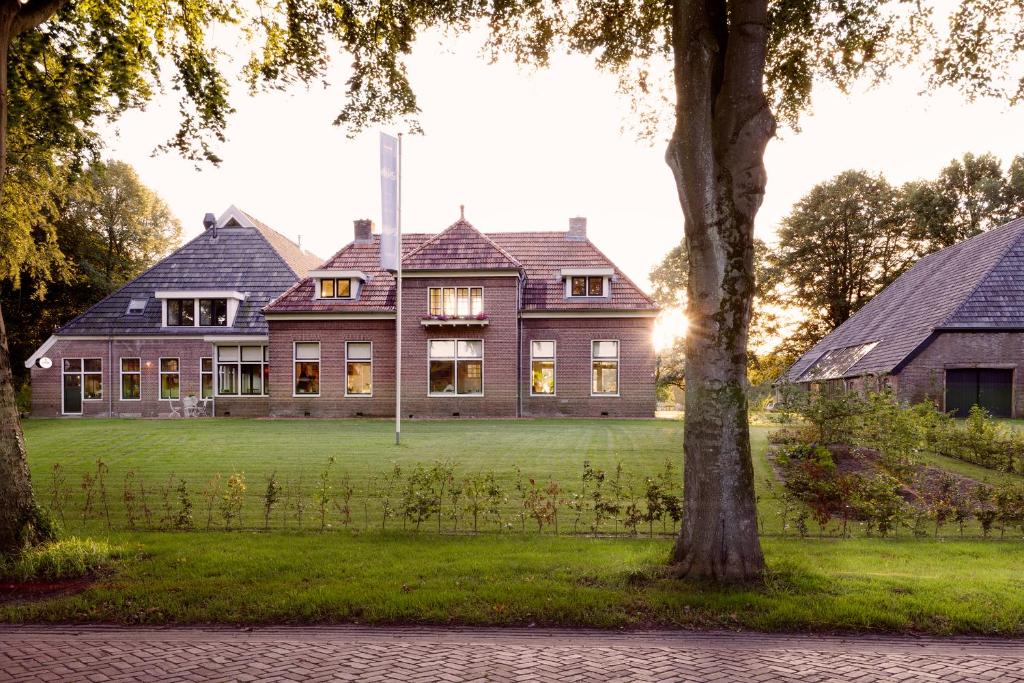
(110, 228)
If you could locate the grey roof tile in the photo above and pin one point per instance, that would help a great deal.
(968, 285)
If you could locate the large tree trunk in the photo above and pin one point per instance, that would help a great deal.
(716, 154)
(17, 507)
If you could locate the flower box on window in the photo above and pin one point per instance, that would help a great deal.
(478, 320)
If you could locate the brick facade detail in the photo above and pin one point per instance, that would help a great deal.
(925, 375)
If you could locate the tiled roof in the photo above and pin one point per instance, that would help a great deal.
(459, 247)
(539, 255)
(976, 283)
(297, 258)
(244, 259)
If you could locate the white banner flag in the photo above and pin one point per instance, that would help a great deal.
(390, 240)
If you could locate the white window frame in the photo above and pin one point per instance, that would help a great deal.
(359, 360)
(336, 280)
(122, 373)
(618, 368)
(319, 362)
(212, 373)
(81, 386)
(554, 366)
(456, 314)
(604, 287)
(455, 374)
(263, 363)
(160, 377)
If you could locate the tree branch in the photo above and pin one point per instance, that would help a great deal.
(35, 13)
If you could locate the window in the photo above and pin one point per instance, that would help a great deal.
(170, 379)
(604, 360)
(136, 306)
(542, 368)
(84, 378)
(359, 368)
(335, 289)
(591, 285)
(456, 367)
(181, 312)
(213, 312)
(131, 379)
(460, 301)
(242, 371)
(307, 368)
(206, 377)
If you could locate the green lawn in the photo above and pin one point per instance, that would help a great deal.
(938, 586)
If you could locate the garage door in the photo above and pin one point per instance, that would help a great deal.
(990, 388)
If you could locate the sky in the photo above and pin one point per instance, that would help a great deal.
(526, 150)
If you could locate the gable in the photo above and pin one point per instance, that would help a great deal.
(459, 247)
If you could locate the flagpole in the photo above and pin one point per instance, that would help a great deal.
(398, 308)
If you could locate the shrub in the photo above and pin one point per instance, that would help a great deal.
(877, 499)
(232, 500)
(271, 497)
(980, 440)
(70, 558)
(183, 513)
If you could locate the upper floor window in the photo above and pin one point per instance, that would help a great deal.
(181, 312)
(335, 288)
(213, 312)
(190, 312)
(456, 301)
(589, 285)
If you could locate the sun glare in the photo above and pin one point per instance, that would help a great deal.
(670, 325)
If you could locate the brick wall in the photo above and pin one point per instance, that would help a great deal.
(332, 335)
(924, 376)
(573, 338)
(499, 337)
(47, 384)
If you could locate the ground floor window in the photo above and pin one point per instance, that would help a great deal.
(170, 379)
(82, 381)
(456, 366)
(359, 368)
(206, 377)
(131, 379)
(306, 373)
(542, 368)
(242, 371)
(604, 362)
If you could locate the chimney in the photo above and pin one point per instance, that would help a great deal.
(210, 223)
(577, 229)
(364, 230)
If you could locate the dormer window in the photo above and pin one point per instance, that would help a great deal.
(456, 301)
(181, 313)
(335, 288)
(208, 308)
(587, 282)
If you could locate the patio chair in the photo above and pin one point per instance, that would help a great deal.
(203, 407)
(190, 403)
(175, 406)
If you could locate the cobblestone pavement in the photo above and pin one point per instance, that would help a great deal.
(351, 653)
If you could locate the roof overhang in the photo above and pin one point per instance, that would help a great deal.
(504, 272)
(199, 294)
(339, 273)
(236, 338)
(329, 315)
(41, 351)
(582, 272)
(589, 314)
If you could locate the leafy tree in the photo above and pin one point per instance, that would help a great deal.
(670, 369)
(841, 244)
(971, 195)
(111, 227)
(65, 67)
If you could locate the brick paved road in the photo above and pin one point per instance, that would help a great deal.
(99, 654)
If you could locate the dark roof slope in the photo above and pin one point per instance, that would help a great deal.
(976, 283)
(297, 258)
(541, 256)
(238, 258)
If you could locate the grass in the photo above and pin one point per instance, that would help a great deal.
(256, 578)
(68, 558)
(935, 586)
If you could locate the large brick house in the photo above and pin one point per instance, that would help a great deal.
(493, 325)
(950, 329)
